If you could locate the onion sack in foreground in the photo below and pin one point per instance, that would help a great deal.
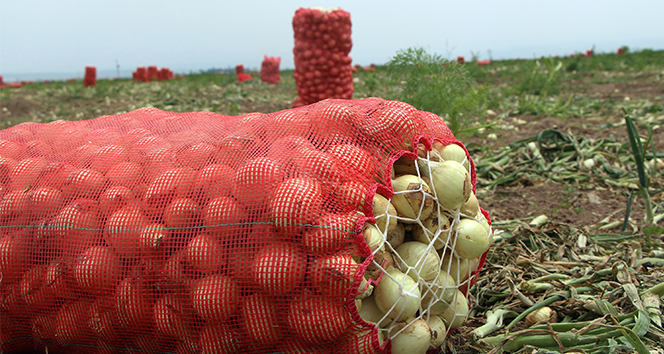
(345, 226)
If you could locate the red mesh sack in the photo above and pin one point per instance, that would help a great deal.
(306, 230)
(140, 74)
(2, 82)
(270, 70)
(322, 44)
(90, 78)
(152, 73)
(239, 69)
(164, 74)
(244, 77)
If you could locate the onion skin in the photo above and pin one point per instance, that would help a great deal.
(411, 197)
(440, 295)
(472, 239)
(471, 207)
(451, 181)
(382, 209)
(317, 319)
(215, 298)
(438, 330)
(418, 255)
(398, 304)
(455, 315)
(279, 268)
(297, 202)
(415, 337)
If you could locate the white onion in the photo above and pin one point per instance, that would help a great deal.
(438, 330)
(438, 296)
(397, 295)
(418, 260)
(451, 182)
(457, 267)
(412, 336)
(385, 213)
(370, 312)
(471, 207)
(410, 197)
(472, 239)
(456, 153)
(455, 315)
(436, 228)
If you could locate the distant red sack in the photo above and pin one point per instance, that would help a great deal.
(2, 82)
(152, 73)
(90, 76)
(244, 77)
(239, 69)
(322, 64)
(270, 70)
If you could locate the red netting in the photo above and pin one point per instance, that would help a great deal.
(152, 73)
(239, 69)
(270, 70)
(90, 78)
(244, 77)
(140, 74)
(322, 65)
(164, 74)
(202, 233)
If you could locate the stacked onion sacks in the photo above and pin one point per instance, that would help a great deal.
(296, 231)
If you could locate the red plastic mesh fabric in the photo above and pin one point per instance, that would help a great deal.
(2, 82)
(270, 70)
(322, 65)
(239, 69)
(140, 74)
(197, 232)
(153, 73)
(164, 74)
(90, 78)
(244, 77)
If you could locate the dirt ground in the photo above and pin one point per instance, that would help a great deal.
(576, 205)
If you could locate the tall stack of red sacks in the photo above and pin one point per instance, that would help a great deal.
(152, 73)
(140, 74)
(270, 70)
(164, 74)
(322, 64)
(90, 78)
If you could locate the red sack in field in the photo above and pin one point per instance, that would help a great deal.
(153, 73)
(2, 82)
(90, 78)
(140, 74)
(270, 70)
(239, 69)
(164, 74)
(244, 77)
(322, 44)
(161, 232)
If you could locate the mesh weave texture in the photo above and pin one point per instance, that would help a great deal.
(197, 232)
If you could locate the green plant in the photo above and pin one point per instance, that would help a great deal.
(544, 78)
(638, 151)
(431, 83)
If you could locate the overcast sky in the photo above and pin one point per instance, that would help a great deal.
(63, 36)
